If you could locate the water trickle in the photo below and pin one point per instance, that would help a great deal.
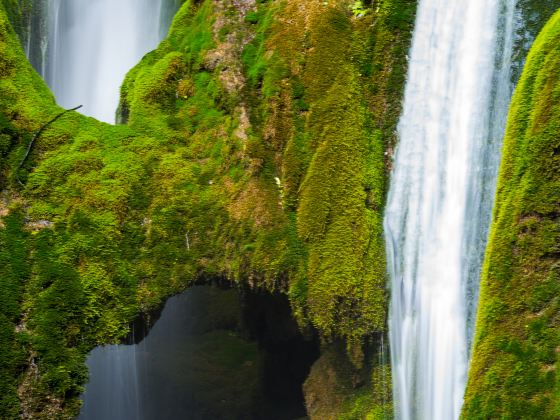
(384, 363)
(441, 196)
(84, 48)
(114, 382)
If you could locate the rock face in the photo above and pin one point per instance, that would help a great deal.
(516, 353)
(254, 151)
(255, 147)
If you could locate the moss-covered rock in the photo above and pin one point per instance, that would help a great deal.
(288, 93)
(14, 272)
(335, 389)
(514, 372)
(252, 149)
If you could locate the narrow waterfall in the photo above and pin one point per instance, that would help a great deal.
(84, 48)
(114, 384)
(441, 194)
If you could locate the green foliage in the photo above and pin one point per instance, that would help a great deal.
(263, 70)
(55, 319)
(313, 130)
(13, 273)
(18, 12)
(515, 360)
(346, 271)
(358, 8)
(372, 402)
(157, 88)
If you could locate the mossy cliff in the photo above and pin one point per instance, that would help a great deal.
(254, 148)
(288, 94)
(514, 372)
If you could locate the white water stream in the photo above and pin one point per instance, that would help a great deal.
(441, 195)
(88, 46)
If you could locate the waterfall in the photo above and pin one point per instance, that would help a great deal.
(115, 382)
(441, 194)
(84, 48)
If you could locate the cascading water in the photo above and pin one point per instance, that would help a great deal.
(84, 48)
(440, 199)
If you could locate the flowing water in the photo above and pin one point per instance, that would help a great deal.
(441, 194)
(84, 48)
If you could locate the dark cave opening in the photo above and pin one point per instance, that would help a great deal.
(288, 354)
(212, 352)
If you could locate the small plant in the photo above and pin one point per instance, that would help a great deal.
(358, 8)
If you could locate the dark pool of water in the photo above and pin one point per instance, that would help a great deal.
(212, 354)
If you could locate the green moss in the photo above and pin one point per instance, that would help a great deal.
(515, 360)
(252, 151)
(18, 12)
(374, 401)
(336, 389)
(346, 273)
(80, 290)
(333, 168)
(314, 131)
(13, 273)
